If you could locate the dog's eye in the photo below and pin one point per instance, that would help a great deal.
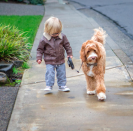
(94, 50)
(88, 51)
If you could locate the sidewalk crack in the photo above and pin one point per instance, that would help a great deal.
(70, 76)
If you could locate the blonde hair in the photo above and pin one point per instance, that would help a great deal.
(52, 25)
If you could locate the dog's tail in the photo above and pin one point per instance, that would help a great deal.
(99, 35)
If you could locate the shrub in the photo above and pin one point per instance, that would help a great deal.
(35, 2)
(13, 45)
(25, 65)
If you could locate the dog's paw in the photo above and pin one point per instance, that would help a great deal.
(101, 96)
(91, 92)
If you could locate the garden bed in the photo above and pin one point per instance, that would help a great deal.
(17, 36)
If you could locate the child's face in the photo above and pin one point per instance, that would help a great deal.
(55, 35)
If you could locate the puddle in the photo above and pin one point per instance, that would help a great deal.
(121, 112)
(71, 97)
(130, 92)
(118, 84)
(118, 103)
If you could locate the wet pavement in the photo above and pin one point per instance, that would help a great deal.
(74, 110)
(119, 11)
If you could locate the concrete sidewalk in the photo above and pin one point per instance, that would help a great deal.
(60, 111)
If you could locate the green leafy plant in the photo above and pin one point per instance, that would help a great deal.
(8, 83)
(36, 2)
(15, 70)
(13, 45)
(25, 65)
(18, 81)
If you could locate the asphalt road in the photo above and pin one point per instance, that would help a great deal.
(119, 11)
(7, 100)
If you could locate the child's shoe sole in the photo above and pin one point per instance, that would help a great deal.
(48, 91)
(64, 90)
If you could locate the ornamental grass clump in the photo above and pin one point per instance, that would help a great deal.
(13, 44)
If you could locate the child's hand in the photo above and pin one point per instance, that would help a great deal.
(39, 61)
(70, 57)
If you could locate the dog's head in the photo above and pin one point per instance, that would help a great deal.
(90, 52)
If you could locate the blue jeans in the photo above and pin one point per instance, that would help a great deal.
(60, 74)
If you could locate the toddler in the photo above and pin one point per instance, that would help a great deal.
(52, 45)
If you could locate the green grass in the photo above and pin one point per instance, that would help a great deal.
(28, 24)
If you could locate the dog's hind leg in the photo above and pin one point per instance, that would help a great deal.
(91, 85)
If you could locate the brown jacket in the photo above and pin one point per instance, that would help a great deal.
(53, 49)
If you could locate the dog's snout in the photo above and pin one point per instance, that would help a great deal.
(93, 57)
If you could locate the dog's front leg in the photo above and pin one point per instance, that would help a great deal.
(100, 89)
(91, 85)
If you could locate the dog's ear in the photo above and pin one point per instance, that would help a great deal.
(82, 52)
